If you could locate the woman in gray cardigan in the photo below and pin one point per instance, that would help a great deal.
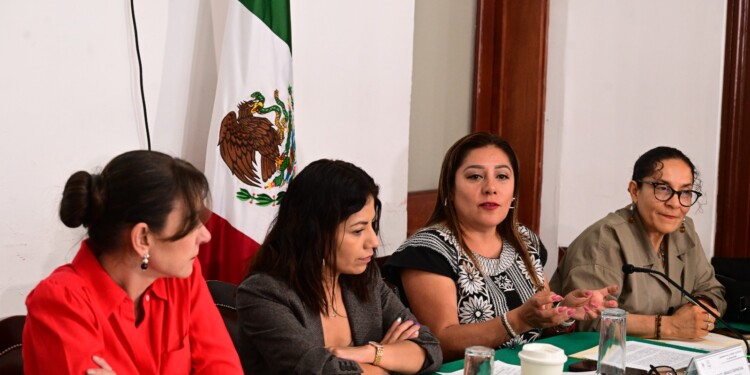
(314, 302)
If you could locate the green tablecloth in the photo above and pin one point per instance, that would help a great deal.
(742, 327)
(571, 343)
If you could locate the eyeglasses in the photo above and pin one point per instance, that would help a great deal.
(661, 370)
(663, 193)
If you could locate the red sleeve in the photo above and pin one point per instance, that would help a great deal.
(212, 350)
(61, 333)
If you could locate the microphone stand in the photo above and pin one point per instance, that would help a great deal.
(629, 268)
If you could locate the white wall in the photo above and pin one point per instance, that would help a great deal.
(352, 77)
(68, 92)
(442, 85)
(70, 101)
(624, 77)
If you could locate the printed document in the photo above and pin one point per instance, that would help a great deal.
(641, 355)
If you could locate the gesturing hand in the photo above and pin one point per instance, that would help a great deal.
(588, 304)
(537, 311)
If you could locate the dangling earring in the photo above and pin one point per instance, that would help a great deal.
(144, 263)
(682, 226)
(631, 219)
(445, 202)
(511, 203)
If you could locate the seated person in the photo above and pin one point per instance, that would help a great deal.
(133, 301)
(314, 302)
(475, 275)
(652, 232)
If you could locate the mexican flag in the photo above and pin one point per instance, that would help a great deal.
(250, 157)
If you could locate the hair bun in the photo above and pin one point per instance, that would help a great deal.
(81, 202)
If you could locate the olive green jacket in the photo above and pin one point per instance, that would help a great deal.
(595, 259)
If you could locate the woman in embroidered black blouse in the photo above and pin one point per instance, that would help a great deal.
(475, 275)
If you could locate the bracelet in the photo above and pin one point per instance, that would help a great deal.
(565, 327)
(658, 326)
(378, 352)
(508, 328)
(566, 324)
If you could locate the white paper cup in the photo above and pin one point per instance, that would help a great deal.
(542, 359)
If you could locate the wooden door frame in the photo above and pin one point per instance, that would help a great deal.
(510, 61)
(509, 92)
(733, 198)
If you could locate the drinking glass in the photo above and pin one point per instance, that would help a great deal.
(612, 343)
(479, 360)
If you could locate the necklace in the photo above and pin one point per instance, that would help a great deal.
(333, 313)
(332, 305)
(662, 253)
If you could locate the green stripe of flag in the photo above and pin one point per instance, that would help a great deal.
(275, 14)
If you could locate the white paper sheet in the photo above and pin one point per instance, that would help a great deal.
(502, 368)
(641, 355)
(710, 342)
(730, 360)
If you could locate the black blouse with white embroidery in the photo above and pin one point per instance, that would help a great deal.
(505, 285)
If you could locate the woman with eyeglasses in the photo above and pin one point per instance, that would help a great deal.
(652, 232)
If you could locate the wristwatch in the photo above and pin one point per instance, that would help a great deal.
(378, 352)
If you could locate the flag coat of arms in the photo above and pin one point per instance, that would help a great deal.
(250, 157)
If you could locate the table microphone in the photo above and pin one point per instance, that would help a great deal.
(629, 268)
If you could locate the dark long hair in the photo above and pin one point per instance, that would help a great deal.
(445, 211)
(303, 235)
(135, 187)
(652, 161)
